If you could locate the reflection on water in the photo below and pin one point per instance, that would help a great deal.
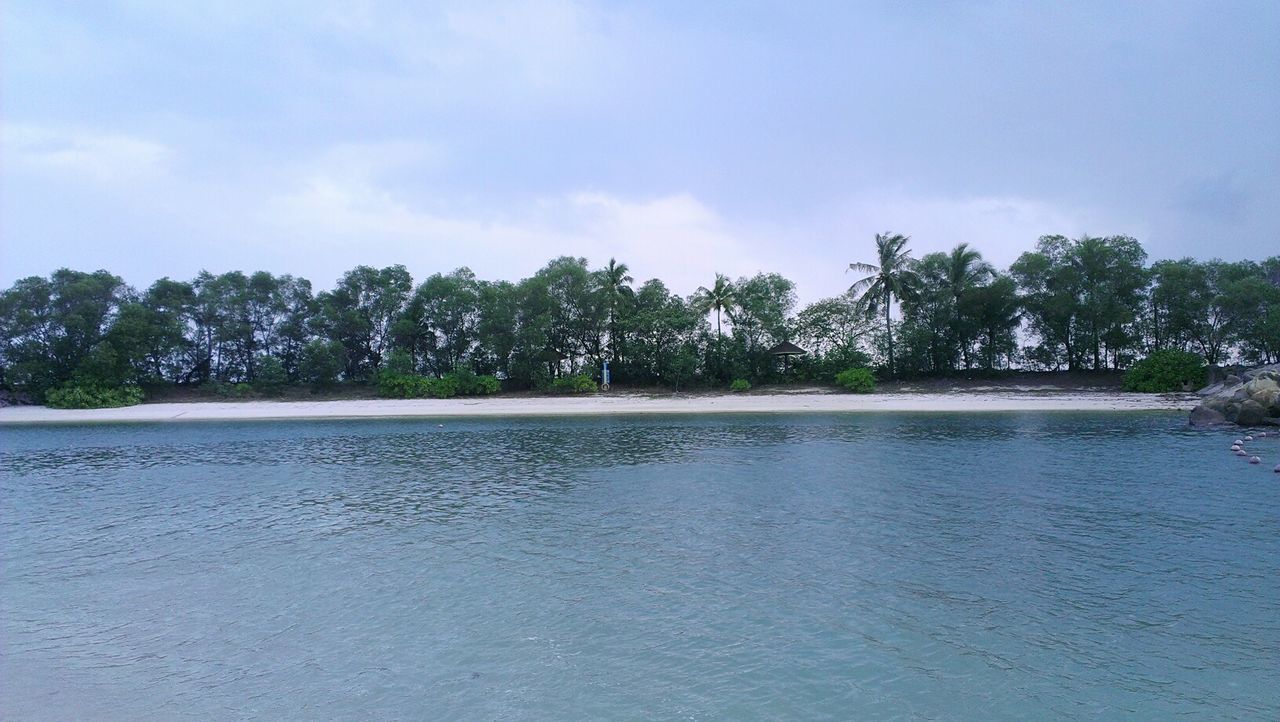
(1022, 565)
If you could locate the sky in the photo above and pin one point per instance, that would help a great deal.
(156, 138)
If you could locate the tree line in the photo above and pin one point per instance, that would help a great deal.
(1084, 304)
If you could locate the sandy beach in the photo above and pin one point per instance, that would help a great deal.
(610, 404)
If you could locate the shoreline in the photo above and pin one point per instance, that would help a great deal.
(608, 405)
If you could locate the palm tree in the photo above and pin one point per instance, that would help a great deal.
(718, 298)
(614, 279)
(894, 277)
(965, 271)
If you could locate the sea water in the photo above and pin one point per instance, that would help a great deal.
(983, 565)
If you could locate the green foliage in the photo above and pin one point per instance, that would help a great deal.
(578, 384)
(75, 396)
(229, 391)
(271, 378)
(322, 362)
(858, 380)
(1085, 304)
(1166, 370)
(740, 385)
(468, 383)
(892, 276)
(412, 386)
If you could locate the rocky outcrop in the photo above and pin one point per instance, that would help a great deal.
(1252, 399)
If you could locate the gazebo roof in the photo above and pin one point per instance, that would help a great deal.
(786, 348)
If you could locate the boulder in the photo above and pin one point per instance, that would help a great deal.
(1261, 385)
(1251, 413)
(1250, 398)
(1202, 415)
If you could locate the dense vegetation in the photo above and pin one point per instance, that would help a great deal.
(1086, 304)
(1168, 369)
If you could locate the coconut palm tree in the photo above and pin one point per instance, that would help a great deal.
(718, 298)
(893, 277)
(614, 280)
(966, 271)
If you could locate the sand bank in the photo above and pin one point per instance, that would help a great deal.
(610, 404)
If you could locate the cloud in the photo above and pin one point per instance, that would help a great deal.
(79, 155)
(676, 237)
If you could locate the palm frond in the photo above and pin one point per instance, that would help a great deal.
(862, 285)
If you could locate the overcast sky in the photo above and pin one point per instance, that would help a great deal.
(157, 138)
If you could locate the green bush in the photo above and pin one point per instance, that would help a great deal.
(92, 397)
(1166, 370)
(412, 386)
(445, 388)
(858, 380)
(468, 383)
(579, 384)
(401, 386)
(271, 377)
(740, 385)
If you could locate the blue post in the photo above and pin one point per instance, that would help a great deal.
(604, 377)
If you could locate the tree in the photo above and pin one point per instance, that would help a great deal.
(1112, 281)
(662, 328)
(966, 272)
(1050, 287)
(360, 313)
(927, 340)
(892, 277)
(439, 327)
(614, 280)
(718, 298)
(831, 330)
(52, 327)
(996, 312)
(1179, 303)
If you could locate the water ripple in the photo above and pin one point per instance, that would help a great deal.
(816, 567)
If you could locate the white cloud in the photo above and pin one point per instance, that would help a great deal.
(676, 237)
(83, 155)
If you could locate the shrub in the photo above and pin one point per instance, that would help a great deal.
(1166, 370)
(271, 377)
(858, 380)
(468, 383)
(445, 388)
(579, 384)
(401, 386)
(412, 386)
(740, 385)
(75, 396)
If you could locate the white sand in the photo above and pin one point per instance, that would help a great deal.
(609, 404)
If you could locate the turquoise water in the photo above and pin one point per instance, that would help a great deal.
(728, 567)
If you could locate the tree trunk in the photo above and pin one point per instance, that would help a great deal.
(888, 328)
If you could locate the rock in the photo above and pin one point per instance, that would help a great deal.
(1251, 413)
(1247, 398)
(1260, 386)
(1217, 403)
(1202, 415)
